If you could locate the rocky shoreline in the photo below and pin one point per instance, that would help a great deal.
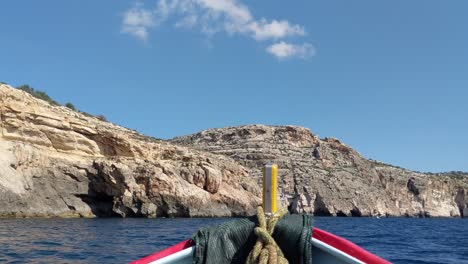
(326, 177)
(56, 162)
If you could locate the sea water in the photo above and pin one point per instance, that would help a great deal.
(113, 240)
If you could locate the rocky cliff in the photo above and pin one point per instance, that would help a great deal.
(59, 162)
(327, 177)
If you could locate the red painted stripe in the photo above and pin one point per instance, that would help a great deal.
(347, 247)
(166, 252)
(327, 238)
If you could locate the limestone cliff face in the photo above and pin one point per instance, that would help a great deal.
(327, 177)
(58, 162)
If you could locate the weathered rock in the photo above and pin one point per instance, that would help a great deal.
(326, 177)
(58, 162)
(462, 201)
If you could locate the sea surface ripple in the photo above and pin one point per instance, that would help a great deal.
(113, 240)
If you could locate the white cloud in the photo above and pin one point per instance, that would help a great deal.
(235, 18)
(275, 29)
(233, 11)
(215, 16)
(187, 22)
(283, 50)
(136, 22)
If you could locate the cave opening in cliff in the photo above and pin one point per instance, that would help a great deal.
(101, 205)
(355, 212)
(340, 213)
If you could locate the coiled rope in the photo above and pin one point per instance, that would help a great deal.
(266, 251)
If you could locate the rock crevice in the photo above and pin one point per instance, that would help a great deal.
(58, 162)
(343, 183)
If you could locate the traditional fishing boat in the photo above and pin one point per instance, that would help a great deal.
(282, 238)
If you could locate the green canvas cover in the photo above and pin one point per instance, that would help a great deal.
(232, 242)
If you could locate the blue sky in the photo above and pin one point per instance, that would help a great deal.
(389, 78)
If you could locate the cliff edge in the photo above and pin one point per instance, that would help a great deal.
(327, 177)
(58, 162)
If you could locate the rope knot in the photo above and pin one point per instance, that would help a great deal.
(266, 250)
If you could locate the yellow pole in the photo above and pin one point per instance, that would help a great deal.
(270, 186)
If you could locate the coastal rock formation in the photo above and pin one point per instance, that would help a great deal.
(55, 161)
(58, 162)
(327, 177)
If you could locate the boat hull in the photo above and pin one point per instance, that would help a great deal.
(327, 248)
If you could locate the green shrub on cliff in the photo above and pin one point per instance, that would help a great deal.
(86, 113)
(102, 118)
(44, 96)
(71, 106)
(38, 94)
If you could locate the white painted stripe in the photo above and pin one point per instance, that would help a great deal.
(181, 257)
(335, 252)
(185, 256)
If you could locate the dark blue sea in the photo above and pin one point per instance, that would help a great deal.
(112, 240)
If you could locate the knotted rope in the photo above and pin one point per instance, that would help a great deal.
(266, 251)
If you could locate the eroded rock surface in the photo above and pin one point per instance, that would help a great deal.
(58, 162)
(327, 177)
